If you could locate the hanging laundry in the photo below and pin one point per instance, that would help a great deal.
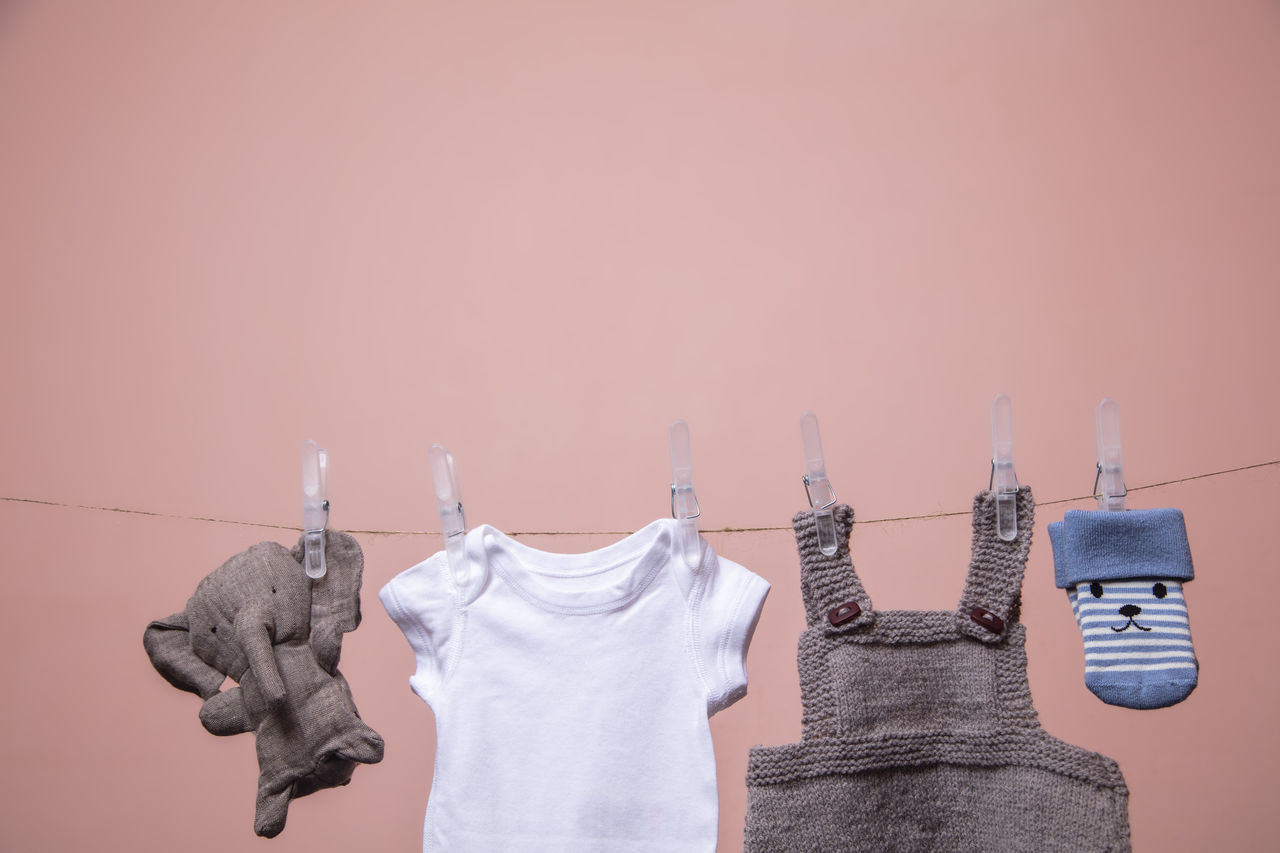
(1124, 574)
(260, 621)
(572, 692)
(918, 730)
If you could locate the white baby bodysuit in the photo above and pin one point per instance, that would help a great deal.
(572, 691)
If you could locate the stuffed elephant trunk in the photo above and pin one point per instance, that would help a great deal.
(255, 629)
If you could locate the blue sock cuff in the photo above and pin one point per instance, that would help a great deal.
(1096, 545)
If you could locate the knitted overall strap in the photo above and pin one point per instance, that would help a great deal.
(834, 597)
(993, 590)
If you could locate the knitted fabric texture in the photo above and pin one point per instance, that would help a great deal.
(918, 731)
(259, 620)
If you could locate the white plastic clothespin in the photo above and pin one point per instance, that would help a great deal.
(816, 485)
(315, 507)
(1110, 460)
(453, 522)
(684, 503)
(1004, 481)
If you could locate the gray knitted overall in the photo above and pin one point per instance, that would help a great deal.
(918, 729)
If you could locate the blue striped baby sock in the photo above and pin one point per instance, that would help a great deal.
(1123, 572)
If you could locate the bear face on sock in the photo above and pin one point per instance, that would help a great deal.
(1126, 602)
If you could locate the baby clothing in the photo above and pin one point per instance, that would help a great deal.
(918, 730)
(572, 691)
(1124, 574)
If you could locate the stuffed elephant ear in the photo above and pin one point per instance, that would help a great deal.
(168, 644)
(335, 598)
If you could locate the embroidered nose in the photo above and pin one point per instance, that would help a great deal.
(1130, 610)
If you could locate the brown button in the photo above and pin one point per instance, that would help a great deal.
(987, 619)
(843, 613)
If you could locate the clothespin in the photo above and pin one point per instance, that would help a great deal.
(684, 503)
(1106, 419)
(816, 485)
(1004, 481)
(315, 507)
(453, 522)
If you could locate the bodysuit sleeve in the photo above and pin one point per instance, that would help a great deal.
(725, 612)
(423, 602)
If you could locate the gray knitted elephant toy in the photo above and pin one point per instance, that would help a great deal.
(259, 620)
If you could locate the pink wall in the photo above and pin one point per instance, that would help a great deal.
(540, 232)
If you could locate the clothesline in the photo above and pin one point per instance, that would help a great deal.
(927, 516)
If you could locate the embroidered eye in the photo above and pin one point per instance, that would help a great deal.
(1096, 589)
(1159, 590)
